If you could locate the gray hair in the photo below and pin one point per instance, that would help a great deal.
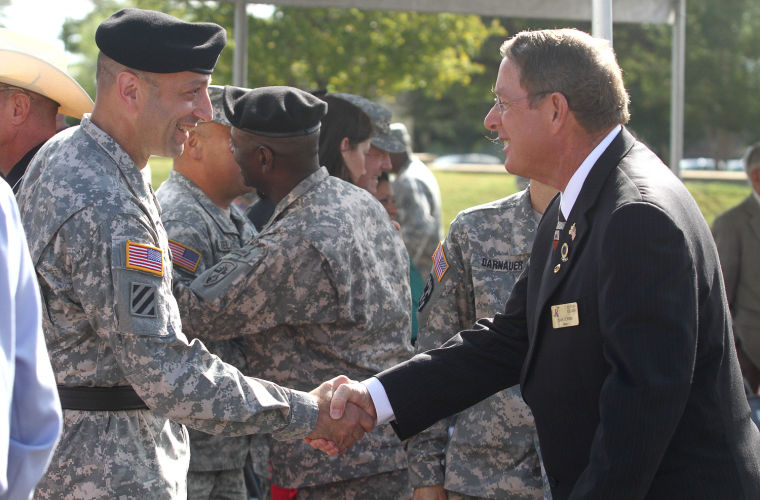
(582, 68)
(752, 158)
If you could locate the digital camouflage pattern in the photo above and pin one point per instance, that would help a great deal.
(386, 486)
(105, 325)
(418, 199)
(322, 290)
(491, 453)
(193, 220)
(216, 485)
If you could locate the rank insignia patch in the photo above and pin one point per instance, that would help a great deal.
(145, 258)
(142, 300)
(440, 264)
(184, 257)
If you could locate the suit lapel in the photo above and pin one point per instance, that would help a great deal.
(753, 209)
(574, 235)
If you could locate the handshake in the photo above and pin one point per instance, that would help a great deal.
(346, 412)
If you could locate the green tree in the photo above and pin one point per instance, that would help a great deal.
(372, 53)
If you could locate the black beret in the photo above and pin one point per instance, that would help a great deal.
(273, 111)
(159, 43)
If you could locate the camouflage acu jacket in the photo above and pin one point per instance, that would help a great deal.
(491, 452)
(102, 261)
(322, 290)
(200, 234)
(418, 198)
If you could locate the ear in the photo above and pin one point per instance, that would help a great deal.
(128, 85)
(345, 145)
(194, 146)
(266, 158)
(557, 109)
(20, 107)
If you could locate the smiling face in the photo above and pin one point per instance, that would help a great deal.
(174, 104)
(377, 162)
(243, 151)
(521, 129)
(355, 158)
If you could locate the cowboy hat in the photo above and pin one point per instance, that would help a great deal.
(34, 65)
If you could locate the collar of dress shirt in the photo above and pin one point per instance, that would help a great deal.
(573, 188)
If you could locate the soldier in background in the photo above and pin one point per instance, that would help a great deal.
(203, 225)
(382, 144)
(418, 199)
(491, 451)
(127, 376)
(322, 289)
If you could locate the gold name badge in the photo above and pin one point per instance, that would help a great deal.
(565, 315)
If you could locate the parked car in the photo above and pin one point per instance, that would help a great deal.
(697, 164)
(468, 158)
(735, 165)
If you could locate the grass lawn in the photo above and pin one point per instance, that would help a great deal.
(460, 190)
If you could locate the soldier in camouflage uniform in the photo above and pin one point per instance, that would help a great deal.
(418, 200)
(491, 453)
(203, 225)
(127, 376)
(322, 289)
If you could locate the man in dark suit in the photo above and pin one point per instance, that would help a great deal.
(618, 330)
(737, 235)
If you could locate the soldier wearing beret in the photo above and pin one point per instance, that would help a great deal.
(127, 376)
(203, 224)
(323, 287)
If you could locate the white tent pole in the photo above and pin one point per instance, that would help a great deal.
(601, 19)
(240, 56)
(677, 86)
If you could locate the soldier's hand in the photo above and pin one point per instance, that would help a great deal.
(430, 493)
(334, 435)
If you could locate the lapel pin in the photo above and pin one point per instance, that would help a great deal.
(556, 269)
(563, 252)
(572, 232)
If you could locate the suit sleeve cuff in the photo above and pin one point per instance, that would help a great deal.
(380, 400)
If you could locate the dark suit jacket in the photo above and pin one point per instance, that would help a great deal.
(737, 235)
(643, 398)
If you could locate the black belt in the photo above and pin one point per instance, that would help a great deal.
(117, 398)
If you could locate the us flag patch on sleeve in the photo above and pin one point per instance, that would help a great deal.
(183, 256)
(145, 258)
(440, 264)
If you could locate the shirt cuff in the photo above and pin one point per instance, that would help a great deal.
(380, 399)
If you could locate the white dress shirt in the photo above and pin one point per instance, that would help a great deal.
(569, 195)
(31, 413)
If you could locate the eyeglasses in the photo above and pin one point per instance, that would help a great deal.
(503, 106)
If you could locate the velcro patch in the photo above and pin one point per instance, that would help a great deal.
(184, 256)
(145, 258)
(426, 293)
(440, 264)
(142, 300)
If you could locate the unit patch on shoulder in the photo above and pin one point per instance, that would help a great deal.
(145, 258)
(440, 264)
(184, 256)
(142, 300)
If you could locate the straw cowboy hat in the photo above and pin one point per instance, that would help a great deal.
(37, 66)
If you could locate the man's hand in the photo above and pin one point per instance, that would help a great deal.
(351, 392)
(335, 433)
(430, 493)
